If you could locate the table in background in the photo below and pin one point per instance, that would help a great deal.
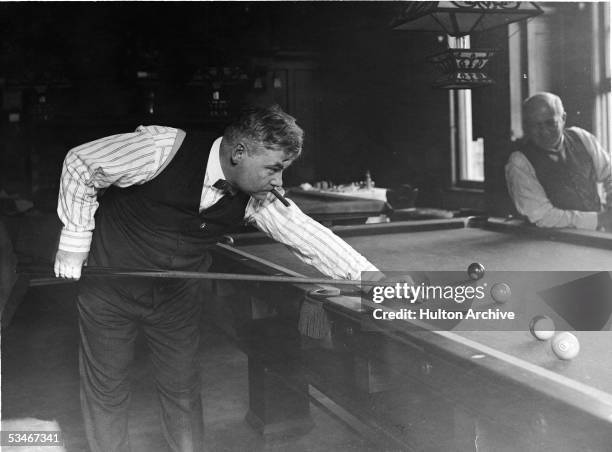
(413, 389)
(332, 208)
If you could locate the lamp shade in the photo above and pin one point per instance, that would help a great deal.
(462, 68)
(462, 18)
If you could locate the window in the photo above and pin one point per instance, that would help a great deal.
(531, 63)
(601, 72)
(467, 153)
(532, 60)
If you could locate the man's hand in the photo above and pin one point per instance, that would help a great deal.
(402, 279)
(370, 276)
(68, 264)
(604, 220)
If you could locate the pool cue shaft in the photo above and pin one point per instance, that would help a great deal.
(175, 274)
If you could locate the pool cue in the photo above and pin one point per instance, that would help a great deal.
(152, 273)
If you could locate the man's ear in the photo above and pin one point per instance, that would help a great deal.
(238, 153)
(564, 117)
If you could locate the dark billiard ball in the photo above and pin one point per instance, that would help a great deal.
(476, 271)
(542, 327)
(500, 292)
(227, 239)
(565, 345)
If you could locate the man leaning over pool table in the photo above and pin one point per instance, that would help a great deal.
(171, 195)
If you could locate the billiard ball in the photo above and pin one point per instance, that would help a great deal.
(227, 239)
(542, 327)
(500, 292)
(565, 345)
(476, 271)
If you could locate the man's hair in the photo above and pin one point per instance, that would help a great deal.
(268, 126)
(550, 99)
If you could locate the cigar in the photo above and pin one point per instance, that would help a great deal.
(280, 197)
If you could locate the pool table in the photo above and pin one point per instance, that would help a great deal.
(408, 387)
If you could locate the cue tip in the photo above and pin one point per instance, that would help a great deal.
(281, 198)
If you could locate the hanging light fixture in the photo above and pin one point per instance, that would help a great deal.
(462, 68)
(462, 18)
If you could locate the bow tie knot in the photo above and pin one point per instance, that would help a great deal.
(555, 155)
(225, 187)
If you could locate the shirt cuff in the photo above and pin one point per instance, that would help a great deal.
(75, 242)
(587, 220)
(366, 272)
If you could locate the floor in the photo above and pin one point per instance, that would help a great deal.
(40, 380)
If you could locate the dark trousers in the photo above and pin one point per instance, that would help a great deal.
(110, 315)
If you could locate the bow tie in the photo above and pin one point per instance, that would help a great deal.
(225, 187)
(555, 155)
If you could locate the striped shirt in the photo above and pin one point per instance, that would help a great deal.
(135, 158)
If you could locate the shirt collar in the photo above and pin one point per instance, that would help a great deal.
(560, 150)
(561, 146)
(214, 172)
(557, 152)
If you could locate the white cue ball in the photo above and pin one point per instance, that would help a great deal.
(565, 345)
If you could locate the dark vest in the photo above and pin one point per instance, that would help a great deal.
(157, 224)
(569, 185)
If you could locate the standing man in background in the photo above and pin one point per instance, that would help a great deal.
(553, 178)
(171, 195)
